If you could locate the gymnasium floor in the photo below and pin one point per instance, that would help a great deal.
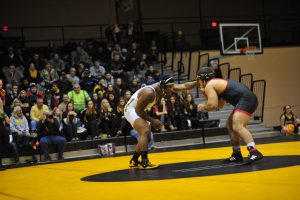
(185, 174)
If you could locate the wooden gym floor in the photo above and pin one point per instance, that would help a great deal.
(185, 174)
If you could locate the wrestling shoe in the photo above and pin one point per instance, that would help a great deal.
(145, 164)
(134, 163)
(235, 157)
(254, 155)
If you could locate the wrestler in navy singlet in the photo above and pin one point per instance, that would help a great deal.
(241, 97)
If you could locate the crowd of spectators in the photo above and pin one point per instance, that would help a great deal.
(79, 91)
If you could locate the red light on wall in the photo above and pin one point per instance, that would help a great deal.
(214, 24)
(5, 28)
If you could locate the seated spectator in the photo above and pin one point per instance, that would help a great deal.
(56, 94)
(119, 87)
(79, 55)
(134, 86)
(57, 63)
(14, 93)
(134, 52)
(120, 120)
(63, 105)
(190, 111)
(175, 114)
(107, 118)
(6, 139)
(112, 100)
(49, 75)
(64, 84)
(90, 120)
(87, 82)
(69, 108)
(58, 115)
(289, 121)
(127, 95)
(110, 89)
(49, 100)
(33, 94)
(72, 76)
(23, 103)
(97, 70)
(15, 103)
(20, 130)
(117, 67)
(154, 73)
(79, 98)
(80, 69)
(19, 125)
(70, 123)
(37, 61)
(97, 101)
(11, 58)
(100, 89)
(116, 50)
(161, 112)
(109, 79)
(149, 79)
(24, 84)
(37, 113)
(12, 75)
(33, 74)
(42, 87)
(48, 130)
(2, 93)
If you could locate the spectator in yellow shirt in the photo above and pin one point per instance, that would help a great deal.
(37, 113)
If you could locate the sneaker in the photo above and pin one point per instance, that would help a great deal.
(134, 163)
(145, 164)
(254, 155)
(235, 157)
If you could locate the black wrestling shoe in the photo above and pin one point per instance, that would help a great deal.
(145, 164)
(134, 163)
(235, 157)
(254, 155)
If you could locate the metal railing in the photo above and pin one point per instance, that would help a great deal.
(225, 70)
(259, 89)
(247, 79)
(235, 74)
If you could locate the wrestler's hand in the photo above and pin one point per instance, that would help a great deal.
(156, 123)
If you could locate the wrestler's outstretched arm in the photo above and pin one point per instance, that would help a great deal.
(185, 86)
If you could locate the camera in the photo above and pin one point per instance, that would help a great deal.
(50, 116)
(71, 116)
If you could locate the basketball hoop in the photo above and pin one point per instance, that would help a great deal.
(248, 51)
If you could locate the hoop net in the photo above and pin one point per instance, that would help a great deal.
(248, 51)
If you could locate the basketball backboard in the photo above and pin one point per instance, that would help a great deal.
(237, 39)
